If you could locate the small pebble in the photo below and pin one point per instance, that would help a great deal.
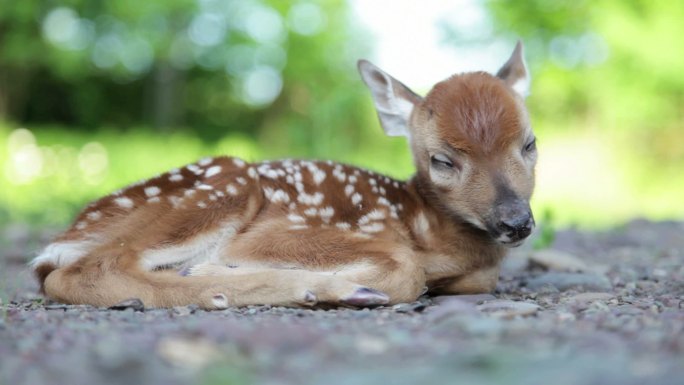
(508, 309)
(557, 260)
(566, 281)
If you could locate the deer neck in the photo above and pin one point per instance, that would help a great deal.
(447, 236)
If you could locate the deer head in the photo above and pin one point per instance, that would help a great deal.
(472, 144)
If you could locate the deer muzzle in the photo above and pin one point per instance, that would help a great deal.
(512, 222)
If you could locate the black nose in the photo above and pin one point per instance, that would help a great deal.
(517, 226)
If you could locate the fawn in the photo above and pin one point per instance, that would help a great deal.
(223, 232)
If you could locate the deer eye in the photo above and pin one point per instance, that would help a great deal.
(531, 146)
(441, 160)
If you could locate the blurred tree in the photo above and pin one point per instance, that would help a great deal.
(250, 66)
(611, 61)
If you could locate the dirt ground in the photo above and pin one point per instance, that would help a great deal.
(594, 308)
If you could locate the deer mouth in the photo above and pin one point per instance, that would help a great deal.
(511, 234)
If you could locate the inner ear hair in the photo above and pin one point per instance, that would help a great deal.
(394, 101)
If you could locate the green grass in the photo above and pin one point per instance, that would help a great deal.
(48, 173)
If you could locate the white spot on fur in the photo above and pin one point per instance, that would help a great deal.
(205, 161)
(280, 196)
(272, 174)
(213, 170)
(201, 204)
(176, 177)
(374, 227)
(318, 176)
(395, 184)
(195, 169)
(372, 182)
(189, 193)
(292, 206)
(326, 213)
(220, 193)
(343, 225)
(310, 212)
(152, 191)
(241, 180)
(294, 218)
(230, 189)
(382, 190)
(356, 198)
(299, 227)
(251, 172)
(124, 202)
(205, 187)
(212, 197)
(309, 199)
(339, 175)
(154, 200)
(81, 225)
(376, 215)
(290, 179)
(94, 215)
(239, 162)
(298, 176)
(362, 235)
(348, 190)
(383, 201)
(175, 201)
(353, 178)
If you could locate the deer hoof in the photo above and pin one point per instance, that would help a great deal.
(366, 297)
(220, 301)
(310, 299)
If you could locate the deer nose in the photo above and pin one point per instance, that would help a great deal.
(517, 226)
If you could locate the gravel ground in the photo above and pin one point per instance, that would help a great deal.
(594, 308)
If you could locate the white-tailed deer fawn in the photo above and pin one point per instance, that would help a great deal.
(223, 232)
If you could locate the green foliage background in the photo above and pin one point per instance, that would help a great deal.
(95, 95)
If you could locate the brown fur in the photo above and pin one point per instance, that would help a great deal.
(301, 233)
(457, 104)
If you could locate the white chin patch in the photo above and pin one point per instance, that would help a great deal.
(507, 241)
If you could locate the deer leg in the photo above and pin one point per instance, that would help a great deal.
(100, 285)
(395, 274)
(476, 282)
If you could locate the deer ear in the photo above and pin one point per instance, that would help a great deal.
(514, 72)
(394, 102)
